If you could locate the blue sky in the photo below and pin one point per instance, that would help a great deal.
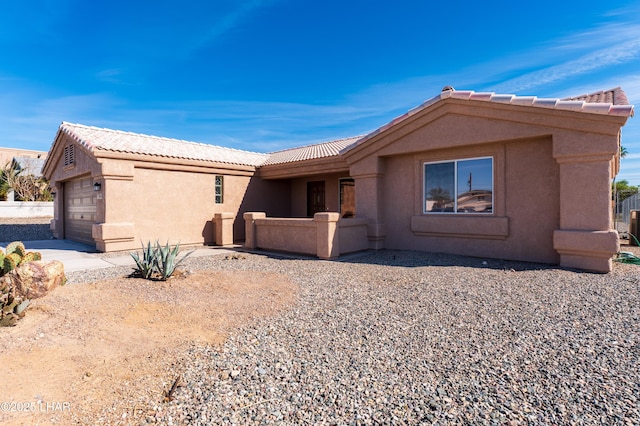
(264, 75)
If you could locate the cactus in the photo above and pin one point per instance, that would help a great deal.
(18, 255)
(16, 247)
(11, 306)
(10, 262)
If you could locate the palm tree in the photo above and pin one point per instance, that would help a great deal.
(623, 151)
(5, 187)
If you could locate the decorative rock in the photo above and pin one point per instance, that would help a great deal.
(396, 337)
(35, 279)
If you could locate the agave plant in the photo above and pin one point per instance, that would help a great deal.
(157, 261)
(145, 266)
(166, 260)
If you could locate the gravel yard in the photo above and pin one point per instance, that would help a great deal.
(25, 229)
(400, 337)
(411, 338)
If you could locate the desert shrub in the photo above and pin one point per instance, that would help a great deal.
(26, 187)
(12, 304)
(157, 262)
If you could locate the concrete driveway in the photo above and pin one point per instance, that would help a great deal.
(74, 256)
(79, 257)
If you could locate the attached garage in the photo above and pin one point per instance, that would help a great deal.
(149, 188)
(79, 210)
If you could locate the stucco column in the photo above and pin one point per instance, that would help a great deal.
(368, 176)
(250, 228)
(224, 228)
(328, 243)
(585, 239)
(114, 228)
(57, 224)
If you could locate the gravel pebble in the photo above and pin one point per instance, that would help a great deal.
(400, 337)
(25, 229)
(397, 337)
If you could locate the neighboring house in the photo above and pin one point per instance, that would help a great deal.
(29, 165)
(7, 154)
(478, 174)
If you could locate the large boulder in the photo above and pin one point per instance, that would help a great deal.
(32, 280)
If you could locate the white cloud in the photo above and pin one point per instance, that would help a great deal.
(620, 48)
(229, 21)
(27, 121)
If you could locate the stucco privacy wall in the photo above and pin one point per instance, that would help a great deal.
(325, 235)
(11, 209)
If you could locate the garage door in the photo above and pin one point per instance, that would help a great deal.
(79, 210)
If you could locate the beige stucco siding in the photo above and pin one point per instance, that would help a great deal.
(533, 190)
(552, 176)
(522, 229)
(179, 206)
(142, 200)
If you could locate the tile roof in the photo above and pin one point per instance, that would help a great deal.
(31, 166)
(311, 152)
(96, 138)
(614, 96)
(605, 102)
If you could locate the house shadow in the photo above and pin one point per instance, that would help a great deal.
(418, 259)
(414, 259)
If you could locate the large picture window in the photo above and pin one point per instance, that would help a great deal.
(459, 186)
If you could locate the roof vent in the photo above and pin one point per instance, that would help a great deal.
(448, 89)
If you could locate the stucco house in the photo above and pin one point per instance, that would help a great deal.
(8, 154)
(479, 174)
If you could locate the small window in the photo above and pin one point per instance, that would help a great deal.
(219, 189)
(69, 155)
(459, 186)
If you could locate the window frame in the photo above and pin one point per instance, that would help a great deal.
(218, 198)
(455, 184)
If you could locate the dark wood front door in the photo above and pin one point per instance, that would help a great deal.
(315, 198)
(347, 197)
